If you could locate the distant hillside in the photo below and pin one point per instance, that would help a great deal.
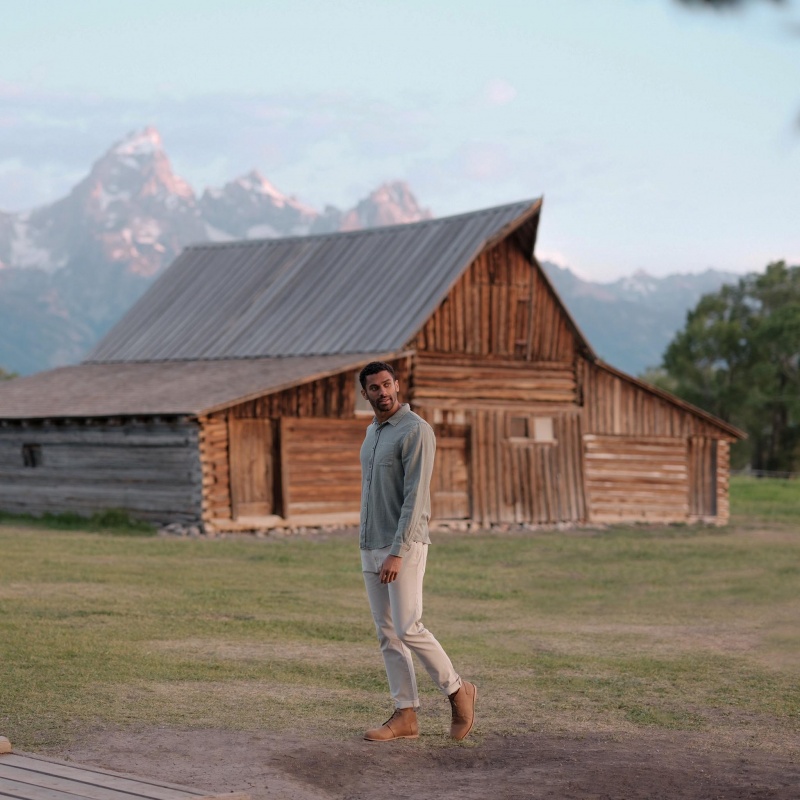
(630, 322)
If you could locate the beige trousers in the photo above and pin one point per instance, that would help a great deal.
(397, 612)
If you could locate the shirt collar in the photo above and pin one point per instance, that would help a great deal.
(396, 417)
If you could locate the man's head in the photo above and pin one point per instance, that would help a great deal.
(380, 387)
(372, 369)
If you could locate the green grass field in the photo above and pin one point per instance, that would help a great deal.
(615, 631)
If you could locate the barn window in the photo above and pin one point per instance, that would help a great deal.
(32, 455)
(525, 430)
(362, 404)
(519, 428)
(543, 429)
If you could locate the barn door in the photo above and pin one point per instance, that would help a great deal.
(450, 481)
(251, 467)
(702, 477)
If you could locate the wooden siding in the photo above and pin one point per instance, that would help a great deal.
(26, 776)
(501, 306)
(149, 468)
(723, 482)
(470, 382)
(520, 480)
(614, 406)
(703, 489)
(640, 478)
(330, 402)
(252, 467)
(213, 444)
(331, 397)
(321, 467)
(450, 484)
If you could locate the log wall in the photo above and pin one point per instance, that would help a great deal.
(316, 443)
(466, 381)
(618, 413)
(149, 468)
(501, 306)
(641, 478)
(322, 469)
(213, 444)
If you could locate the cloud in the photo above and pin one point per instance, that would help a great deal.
(484, 161)
(324, 147)
(499, 92)
(210, 139)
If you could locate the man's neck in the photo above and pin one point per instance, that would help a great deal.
(389, 414)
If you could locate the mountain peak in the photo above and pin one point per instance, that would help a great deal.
(137, 167)
(392, 203)
(250, 207)
(145, 142)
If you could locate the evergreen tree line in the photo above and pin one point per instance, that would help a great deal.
(738, 357)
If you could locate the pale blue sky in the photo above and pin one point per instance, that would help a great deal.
(662, 139)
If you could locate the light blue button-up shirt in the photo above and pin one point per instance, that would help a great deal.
(396, 468)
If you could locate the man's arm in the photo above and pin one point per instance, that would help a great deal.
(418, 450)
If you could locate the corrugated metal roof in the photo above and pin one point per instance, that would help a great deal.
(162, 388)
(357, 292)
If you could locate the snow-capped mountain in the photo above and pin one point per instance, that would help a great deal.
(131, 210)
(70, 269)
(250, 207)
(390, 204)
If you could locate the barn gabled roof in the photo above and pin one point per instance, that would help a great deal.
(357, 292)
(166, 388)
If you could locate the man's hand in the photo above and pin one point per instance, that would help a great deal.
(390, 568)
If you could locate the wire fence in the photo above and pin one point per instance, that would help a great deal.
(765, 473)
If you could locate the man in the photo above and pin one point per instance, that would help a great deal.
(396, 466)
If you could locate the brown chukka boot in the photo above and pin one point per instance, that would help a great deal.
(401, 725)
(463, 705)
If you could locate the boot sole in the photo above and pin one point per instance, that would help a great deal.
(394, 738)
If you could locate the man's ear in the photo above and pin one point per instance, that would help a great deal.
(364, 393)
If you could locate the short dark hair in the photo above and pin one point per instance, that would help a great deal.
(373, 368)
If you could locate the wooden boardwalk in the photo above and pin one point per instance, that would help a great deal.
(24, 776)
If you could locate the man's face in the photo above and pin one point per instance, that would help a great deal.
(381, 392)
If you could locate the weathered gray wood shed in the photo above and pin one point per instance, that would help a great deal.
(228, 396)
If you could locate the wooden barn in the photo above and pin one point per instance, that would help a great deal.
(228, 396)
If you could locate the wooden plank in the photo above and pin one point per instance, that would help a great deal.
(251, 467)
(325, 478)
(29, 785)
(31, 777)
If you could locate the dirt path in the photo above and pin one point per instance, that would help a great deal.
(270, 766)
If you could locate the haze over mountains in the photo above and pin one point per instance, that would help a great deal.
(69, 270)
